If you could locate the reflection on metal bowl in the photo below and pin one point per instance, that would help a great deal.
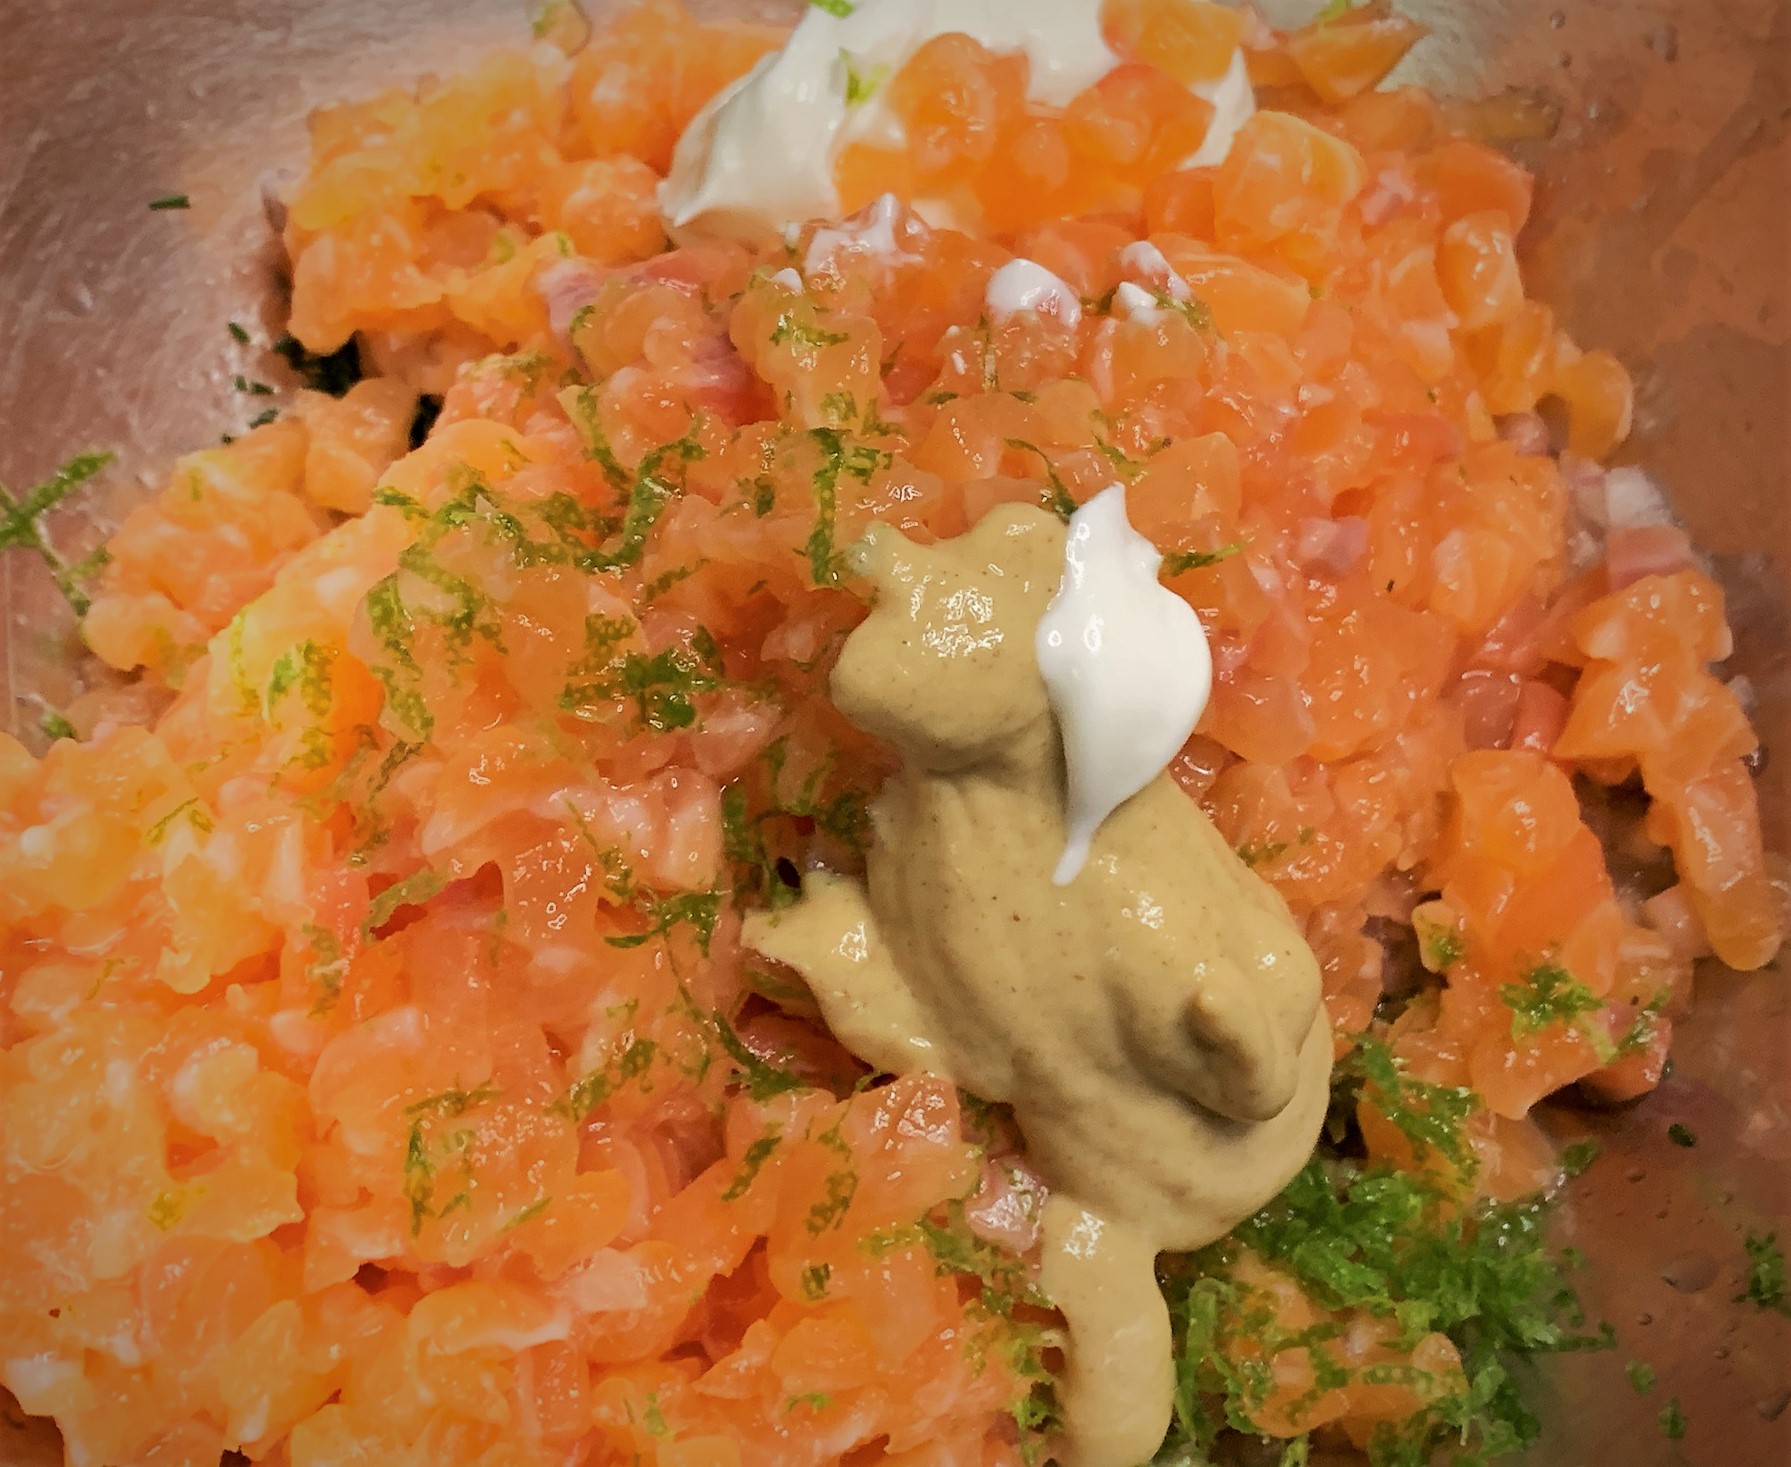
(1661, 233)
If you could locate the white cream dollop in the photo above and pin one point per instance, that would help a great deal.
(879, 233)
(761, 154)
(1026, 285)
(1127, 667)
(1161, 289)
(1234, 100)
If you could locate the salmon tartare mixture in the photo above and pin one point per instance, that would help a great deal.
(384, 1079)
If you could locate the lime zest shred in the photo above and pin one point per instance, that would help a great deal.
(1369, 1238)
(698, 910)
(1766, 1285)
(22, 524)
(1672, 1421)
(1548, 995)
(589, 1092)
(1430, 1116)
(1060, 501)
(839, 1187)
(1578, 1156)
(1180, 562)
(862, 85)
(763, 1079)
(55, 725)
(413, 891)
(752, 1162)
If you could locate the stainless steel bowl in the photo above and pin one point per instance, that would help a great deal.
(1663, 232)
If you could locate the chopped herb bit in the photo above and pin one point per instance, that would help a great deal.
(861, 86)
(1641, 1033)
(412, 891)
(840, 407)
(1682, 1135)
(814, 1281)
(845, 816)
(1036, 1411)
(529, 1213)
(1550, 995)
(804, 335)
(881, 1242)
(1430, 1116)
(1439, 947)
(451, 1104)
(334, 374)
(1195, 312)
(956, 1249)
(1388, 1243)
(581, 407)
(841, 8)
(196, 815)
(262, 419)
(663, 687)
(1766, 1280)
(1260, 855)
(1641, 1376)
(22, 524)
(1334, 10)
(16, 527)
(394, 627)
(1127, 467)
(1059, 501)
(814, 1400)
(652, 490)
(431, 1146)
(751, 1162)
(167, 1208)
(1297, 1453)
(171, 201)
(743, 843)
(1183, 561)
(665, 580)
(238, 334)
(763, 1080)
(839, 1188)
(875, 423)
(1580, 1155)
(55, 725)
(327, 968)
(861, 462)
(695, 909)
(590, 1092)
(1672, 1421)
(306, 667)
(400, 501)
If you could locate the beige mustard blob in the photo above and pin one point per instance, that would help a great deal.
(1155, 1023)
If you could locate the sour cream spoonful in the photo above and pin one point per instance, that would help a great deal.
(1126, 665)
